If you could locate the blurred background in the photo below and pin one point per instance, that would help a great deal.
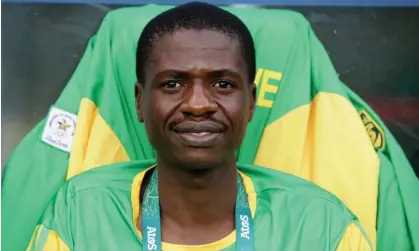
(374, 46)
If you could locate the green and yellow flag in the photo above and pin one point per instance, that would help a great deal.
(307, 123)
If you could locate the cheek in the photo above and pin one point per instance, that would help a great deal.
(151, 114)
(238, 128)
(238, 115)
(156, 113)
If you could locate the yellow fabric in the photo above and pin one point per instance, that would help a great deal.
(218, 245)
(353, 240)
(95, 144)
(335, 153)
(51, 242)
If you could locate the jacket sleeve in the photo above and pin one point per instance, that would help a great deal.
(54, 231)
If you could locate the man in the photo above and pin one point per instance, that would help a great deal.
(195, 95)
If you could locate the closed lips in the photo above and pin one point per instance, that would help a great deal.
(198, 128)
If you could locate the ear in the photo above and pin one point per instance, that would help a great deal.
(252, 103)
(138, 101)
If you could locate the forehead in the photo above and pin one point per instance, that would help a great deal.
(187, 50)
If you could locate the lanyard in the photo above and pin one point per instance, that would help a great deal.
(151, 228)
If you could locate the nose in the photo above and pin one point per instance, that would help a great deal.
(198, 101)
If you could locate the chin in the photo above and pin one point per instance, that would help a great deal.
(198, 159)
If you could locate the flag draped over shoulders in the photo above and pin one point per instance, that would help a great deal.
(307, 123)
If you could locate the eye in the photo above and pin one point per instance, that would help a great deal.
(171, 84)
(223, 85)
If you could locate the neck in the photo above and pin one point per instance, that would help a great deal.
(197, 198)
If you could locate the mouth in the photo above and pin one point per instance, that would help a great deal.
(198, 139)
(198, 135)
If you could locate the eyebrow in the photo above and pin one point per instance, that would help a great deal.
(174, 73)
(224, 73)
(179, 74)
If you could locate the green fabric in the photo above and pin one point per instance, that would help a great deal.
(35, 171)
(398, 194)
(285, 44)
(107, 72)
(93, 211)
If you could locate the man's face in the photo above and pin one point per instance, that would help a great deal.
(196, 100)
